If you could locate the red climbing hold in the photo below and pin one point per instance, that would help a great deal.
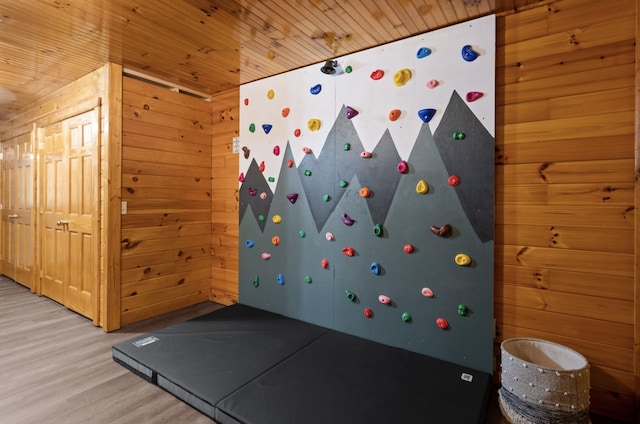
(472, 96)
(408, 248)
(377, 74)
(324, 263)
(261, 167)
(290, 163)
(442, 323)
(368, 312)
(453, 180)
(276, 150)
(241, 177)
(285, 112)
(296, 132)
(246, 102)
(403, 167)
(348, 251)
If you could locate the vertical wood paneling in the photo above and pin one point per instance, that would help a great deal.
(564, 143)
(166, 182)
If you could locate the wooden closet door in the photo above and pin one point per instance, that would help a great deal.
(17, 213)
(70, 213)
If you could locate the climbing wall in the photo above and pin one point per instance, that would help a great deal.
(366, 195)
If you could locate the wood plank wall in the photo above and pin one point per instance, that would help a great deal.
(166, 182)
(565, 245)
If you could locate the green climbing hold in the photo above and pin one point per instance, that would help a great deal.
(377, 230)
(458, 135)
(256, 282)
(252, 127)
(343, 184)
(271, 179)
(350, 295)
(302, 233)
(406, 316)
(307, 279)
(346, 146)
(307, 172)
(261, 218)
(348, 69)
(326, 197)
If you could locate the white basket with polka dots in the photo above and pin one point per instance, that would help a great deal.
(543, 382)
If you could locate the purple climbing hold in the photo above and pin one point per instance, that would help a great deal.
(351, 112)
(276, 150)
(347, 221)
(252, 191)
(426, 114)
(267, 128)
(241, 177)
(423, 52)
(472, 96)
(468, 54)
(403, 167)
(292, 197)
(315, 89)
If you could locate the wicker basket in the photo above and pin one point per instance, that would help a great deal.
(543, 382)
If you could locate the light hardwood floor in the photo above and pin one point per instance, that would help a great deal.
(56, 367)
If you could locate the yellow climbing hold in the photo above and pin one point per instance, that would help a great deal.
(462, 259)
(401, 77)
(271, 94)
(276, 219)
(422, 187)
(313, 124)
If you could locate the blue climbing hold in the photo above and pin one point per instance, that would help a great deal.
(376, 269)
(468, 54)
(280, 279)
(267, 128)
(249, 243)
(426, 114)
(315, 89)
(423, 52)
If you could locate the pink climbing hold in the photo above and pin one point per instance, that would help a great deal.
(261, 167)
(306, 150)
(276, 150)
(324, 263)
(403, 167)
(348, 251)
(427, 292)
(263, 195)
(377, 74)
(292, 197)
(329, 236)
(384, 299)
(266, 255)
(432, 83)
(241, 177)
(290, 163)
(366, 155)
(472, 96)
(351, 112)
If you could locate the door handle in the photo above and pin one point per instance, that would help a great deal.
(62, 222)
(13, 216)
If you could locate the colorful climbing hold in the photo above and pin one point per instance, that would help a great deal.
(349, 251)
(458, 135)
(324, 263)
(307, 279)
(347, 220)
(350, 295)
(462, 259)
(261, 218)
(265, 255)
(394, 114)
(302, 233)
(252, 191)
(401, 77)
(442, 323)
(296, 132)
(285, 112)
(377, 230)
(463, 310)
(292, 197)
(468, 54)
(472, 96)
(307, 173)
(377, 74)
(267, 128)
(364, 192)
(351, 112)
(408, 248)
(422, 187)
(426, 114)
(375, 268)
(403, 167)
(348, 69)
(328, 236)
(306, 150)
(368, 312)
(384, 299)
(252, 127)
(275, 240)
(343, 184)
(249, 243)
(316, 89)
(276, 219)
(246, 102)
(453, 180)
(427, 292)
(443, 231)
(346, 147)
(276, 150)
(366, 155)
(261, 167)
(271, 94)
(280, 279)
(289, 163)
(263, 195)
(406, 317)
(241, 177)
(256, 282)
(432, 84)
(314, 124)
(326, 197)
(271, 179)
(423, 52)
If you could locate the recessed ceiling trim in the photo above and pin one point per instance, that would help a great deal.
(173, 87)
